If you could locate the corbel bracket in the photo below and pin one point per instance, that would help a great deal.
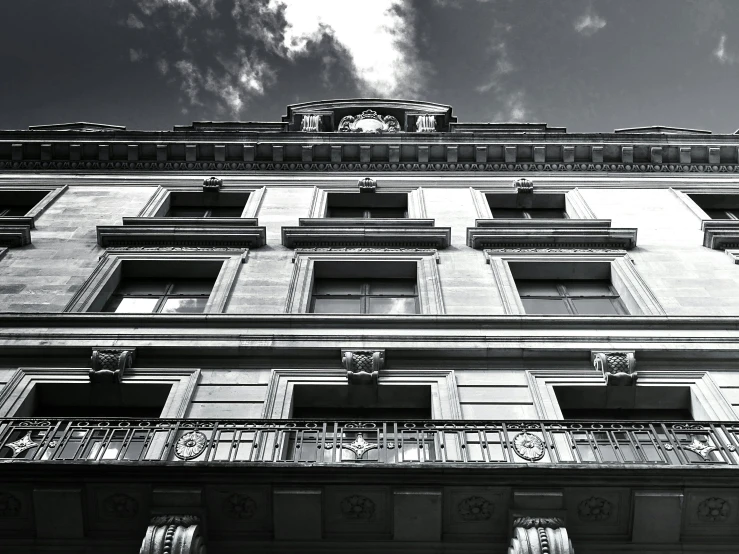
(363, 366)
(212, 184)
(368, 184)
(108, 366)
(618, 368)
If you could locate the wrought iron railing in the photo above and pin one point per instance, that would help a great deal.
(387, 442)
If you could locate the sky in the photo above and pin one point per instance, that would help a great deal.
(588, 65)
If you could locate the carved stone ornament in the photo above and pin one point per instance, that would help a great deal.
(10, 506)
(358, 507)
(177, 534)
(311, 123)
(121, 505)
(425, 123)
(475, 508)
(714, 509)
(523, 186)
(618, 368)
(540, 536)
(368, 184)
(369, 121)
(594, 509)
(239, 506)
(529, 446)
(190, 445)
(108, 366)
(212, 184)
(363, 366)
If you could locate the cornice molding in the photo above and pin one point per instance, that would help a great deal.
(372, 235)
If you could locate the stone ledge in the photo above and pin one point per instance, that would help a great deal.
(369, 235)
(204, 235)
(15, 235)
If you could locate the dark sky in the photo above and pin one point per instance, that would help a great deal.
(589, 65)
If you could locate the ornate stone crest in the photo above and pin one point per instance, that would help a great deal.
(528, 446)
(369, 121)
(358, 507)
(714, 509)
(239, 506)
(594, 509)
(475, 508)
(191, 445)
(618, 368)
(10, 506)
(121, 505)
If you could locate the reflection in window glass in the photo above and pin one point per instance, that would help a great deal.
(573, 297)
(365, 296)
(173, 296)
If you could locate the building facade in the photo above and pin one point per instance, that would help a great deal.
(368, 326)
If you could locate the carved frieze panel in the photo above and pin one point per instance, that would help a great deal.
(359, 512)
(16, 509)
(475, 512)
(238, 510)
(598, 511)
(117, 508)
(712, 512)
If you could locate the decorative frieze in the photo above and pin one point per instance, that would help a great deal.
(239, 506)
(475, 508)
(617, 368)
(108, 366)
(358, 507)
(540, 535)
(363, 366)
(10, 506)
(714, 509)
(174, 534)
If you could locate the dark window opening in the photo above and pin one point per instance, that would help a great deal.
(206, 204)
(18, 203)
(367, 205)
(718, 206)
(346, 402)
(167, 296)
(524, 206)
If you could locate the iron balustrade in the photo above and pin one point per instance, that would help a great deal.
(386, 442)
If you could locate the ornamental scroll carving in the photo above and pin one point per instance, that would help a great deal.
(363, 366)
(369, 121)
(540, 536)
(108, 366)
(176, 534)
(618, 368)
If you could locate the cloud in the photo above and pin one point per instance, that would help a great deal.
(136, 55)
(163, 66)
(589, 23)
(134, 22)
(515, 108)
(721, 54)
(503, 66)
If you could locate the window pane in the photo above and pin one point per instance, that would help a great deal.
(539, 213)
(226, 211)
(128, 305)
(534, 287)
(504, 213)
(392, 286)
(184, 305)
(392, 306)
(14, 211)
(388, 212)
(337, 286)
(543, 306)
(594, 306)
(588, 288)
(192, 286)
(186, 212)
(345, 212)
(716, 214)
(142, 286)
(336, 305)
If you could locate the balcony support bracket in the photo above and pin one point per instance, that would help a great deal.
(173, 534)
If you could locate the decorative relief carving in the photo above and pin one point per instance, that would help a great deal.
(177, 534)
(523, 186)
(369, 121)
(121, 505)
(108, 366)
(475, 508)
(425, 123)
(529, 446)
(10, 506)
(239, 506)
(618, 368)
(358, 507)
(540, 536)
(368, 184)
(190, 445)
(491, 251)
(311, 123)
(21, 445)
(594, 509)
(714, 509)
(363, 366)
(212, 184)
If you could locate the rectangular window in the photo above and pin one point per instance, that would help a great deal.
(718, 206)
(17, 203)
(365, 296)
(367, 205)
(551, 297)
(206, 204)
(167, 295)
(344, 402)
(531, 206)
(652, 403)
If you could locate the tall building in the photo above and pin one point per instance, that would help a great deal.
(368, 327)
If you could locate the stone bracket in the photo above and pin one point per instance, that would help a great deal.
(109, 365)
(363, 366)
(618, 368)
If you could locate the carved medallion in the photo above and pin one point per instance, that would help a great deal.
(121, 505)
(191, 445)
(369, 121)
(528, 446)
(239, 506)
(594, 509)
(10, 506)
(21, 445)
(475, 508)
(358, 507)
(714, 509)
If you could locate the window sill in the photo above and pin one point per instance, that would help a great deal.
(14, 236)
(720, 234)
(549, 233)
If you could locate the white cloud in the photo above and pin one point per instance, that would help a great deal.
(136, 55)
(163, 66)
(503, 66)
(589, 23)
(134, 22)
(515, 108)
(721, 54)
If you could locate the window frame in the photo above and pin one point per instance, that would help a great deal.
(364, 296)
(161, 298)
(53, 193)
(568, 299)
(319, 203)
(632, 289)
(430, 298)
(159, 203)
(97, 289)
(575, 205)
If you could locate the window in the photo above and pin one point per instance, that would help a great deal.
(528, 206)
(718, 206)
(367, 205)
(167, 296)
(18, 203)
(646, 403)
(349, 402)
(551, 297)
(365, 296)
(206, 204)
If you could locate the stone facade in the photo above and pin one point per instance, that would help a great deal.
(494, 464)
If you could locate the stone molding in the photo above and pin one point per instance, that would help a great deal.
(401, 233)
(212, 184)
(175, 534)
(203, 232)
(108, 366)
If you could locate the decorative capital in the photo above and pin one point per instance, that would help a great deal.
(108, 366)
(363, 366)
(369, 121)
(523, 186)
(426, 123)
(618, 368)
(311, 123)
(368, 184)
(212, 184)
(170, 534)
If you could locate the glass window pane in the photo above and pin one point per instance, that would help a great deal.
(142, 286)
(392, 286)
(505, 213)
(192, 286)
(392, 306)
(716, 214)
(594, 306)
(388, 212)
(14, 211)
(226, 211)
(588, 288)
(336, 305)
(128, 305)
(544, 306)
(337, 286)
(184, 305)
(345, 212)
(186, 212)
(535, 287)
(539, 213)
